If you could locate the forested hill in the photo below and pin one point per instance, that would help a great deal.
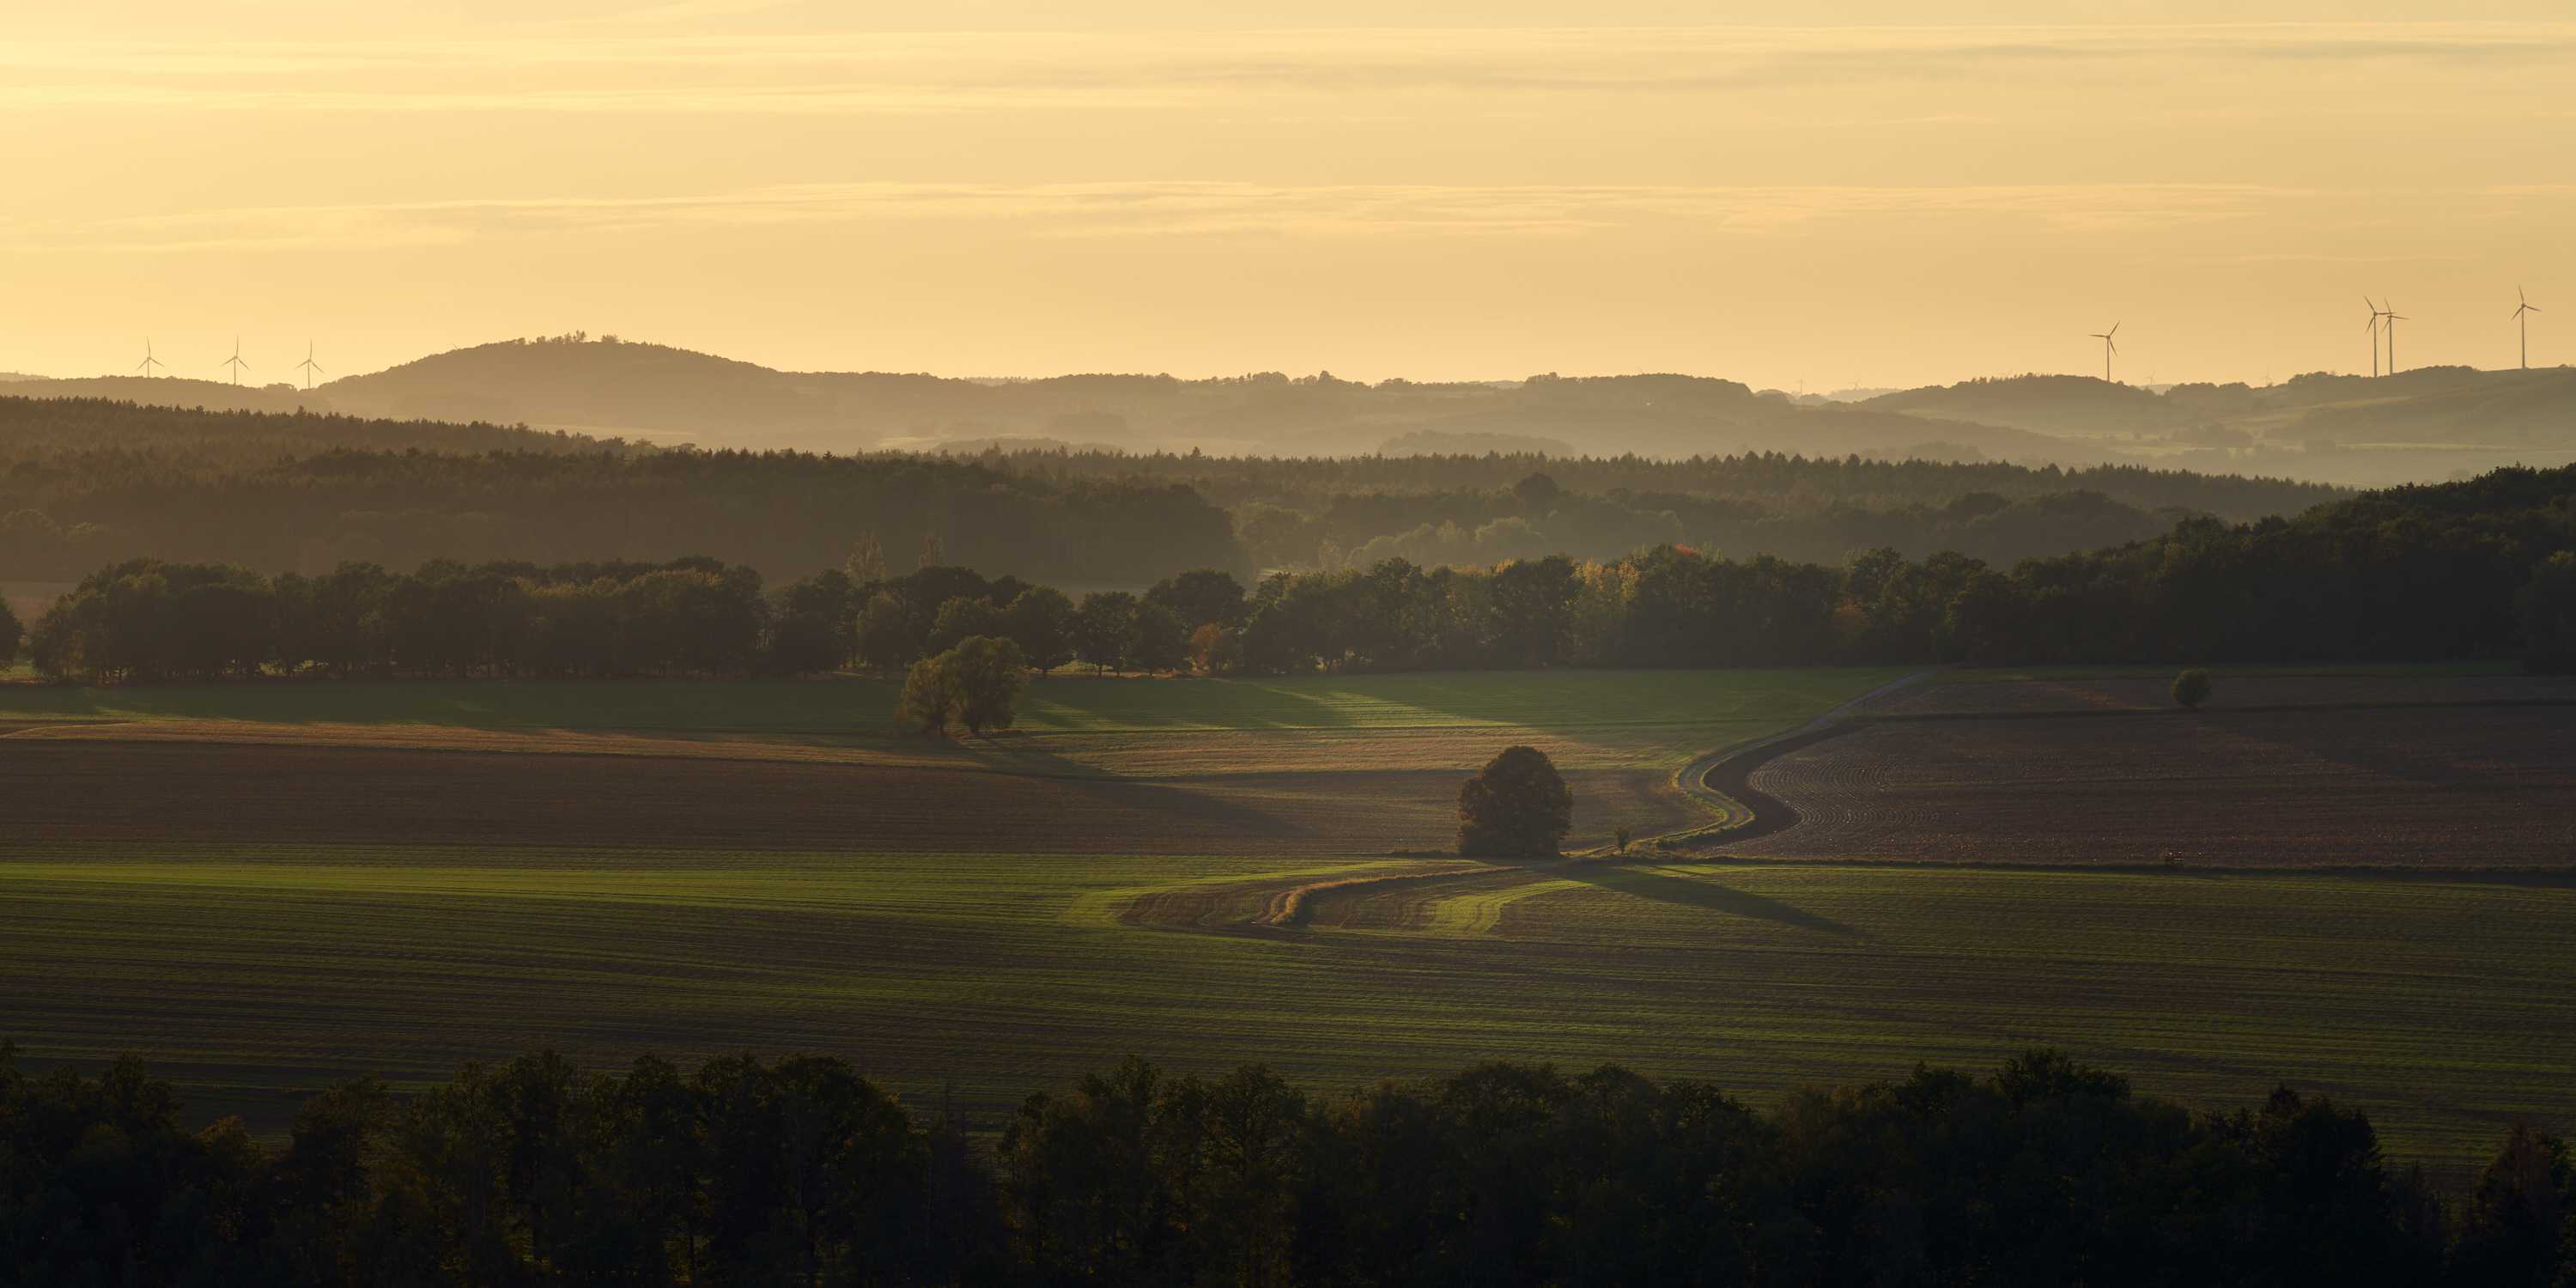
(2045, 404)
(780, 512)
(2428, 423)
(169, 391)
(84, 483)
(670, 394)
(38, 428)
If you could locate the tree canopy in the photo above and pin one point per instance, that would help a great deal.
(977, 684)
(1517, 807)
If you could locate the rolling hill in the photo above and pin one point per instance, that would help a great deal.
(669, 395)
(2426, 424)
(2076, 406)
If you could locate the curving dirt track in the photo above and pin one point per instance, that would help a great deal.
(2444, 774)
(1409, 900)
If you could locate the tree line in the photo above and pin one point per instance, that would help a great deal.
(1331, 514)
(2459, 570)
(2045, 1172)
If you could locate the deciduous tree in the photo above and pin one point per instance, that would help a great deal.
(1200, 596)
(961, 617)
(889, 635)
(1158, 641)
(2191, 688)
(1041, 622)
(1517, 808)
(1104, 628)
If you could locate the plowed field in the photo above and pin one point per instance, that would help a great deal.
(2442, 772)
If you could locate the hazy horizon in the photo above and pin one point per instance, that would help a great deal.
(1882, 196)
(264, 374)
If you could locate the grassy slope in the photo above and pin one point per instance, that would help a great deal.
(2438, 1003)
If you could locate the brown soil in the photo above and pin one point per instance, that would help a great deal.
(2232, 693)
(2463, 786)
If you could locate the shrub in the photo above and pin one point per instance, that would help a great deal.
(1518, 808)
(2191, 688)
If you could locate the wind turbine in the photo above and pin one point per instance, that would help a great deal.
(2373, 327)
(2522, 322)
(235, 362)
(149, 362)
(2108, 348)
(2393, 319)
(309, 367)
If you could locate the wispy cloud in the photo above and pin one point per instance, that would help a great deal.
(822, 73)
(1168, 209)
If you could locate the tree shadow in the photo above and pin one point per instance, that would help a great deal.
(1021, 756)
(1709, 895)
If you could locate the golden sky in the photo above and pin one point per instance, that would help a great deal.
(1790, 194)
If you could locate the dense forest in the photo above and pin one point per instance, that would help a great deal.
(87, 483)
(2046, 1172)
(2474, 569)
(1331, 513)
(64, 513)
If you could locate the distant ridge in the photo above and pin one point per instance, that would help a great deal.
(41, 427)
(172, 391)
(2065, 405)
(2425, 424)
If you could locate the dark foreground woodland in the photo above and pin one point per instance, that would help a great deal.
(800, 1171)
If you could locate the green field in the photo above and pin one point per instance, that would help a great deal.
(250, 968)
(2438, 1003)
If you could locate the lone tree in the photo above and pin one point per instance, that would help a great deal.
(988, 674)
(1518, 808)
(974, 684)
(2191, 688)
